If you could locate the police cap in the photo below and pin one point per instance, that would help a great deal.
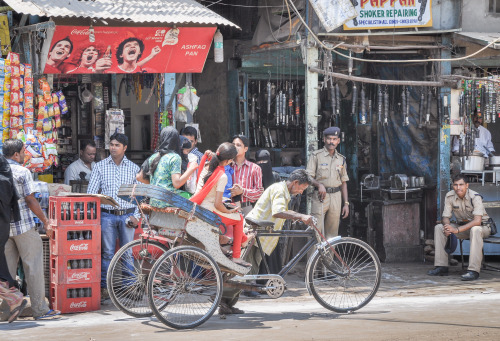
(335, 131)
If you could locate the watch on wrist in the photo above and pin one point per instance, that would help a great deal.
(346, 203)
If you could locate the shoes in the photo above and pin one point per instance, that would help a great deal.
(50, 315)
(224, 309)
(104, 294)
(249, 293)
(438, 271)
(470, 276)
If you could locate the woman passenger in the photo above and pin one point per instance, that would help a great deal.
(211, 185)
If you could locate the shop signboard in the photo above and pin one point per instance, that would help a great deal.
(385, 14)
(83, 49)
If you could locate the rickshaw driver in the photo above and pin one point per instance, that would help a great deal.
(271, 206)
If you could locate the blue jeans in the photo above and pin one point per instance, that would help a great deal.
(112, 227)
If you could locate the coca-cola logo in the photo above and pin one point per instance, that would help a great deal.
(80, 247)
(78, 221)
(84, 32)
(78, 305)
(79, 276)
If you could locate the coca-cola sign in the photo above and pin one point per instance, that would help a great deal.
(78, 49)
(78, 305)
(79, 276)
(79, 247)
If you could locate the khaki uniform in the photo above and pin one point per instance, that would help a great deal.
(331, 171)
(464, 211)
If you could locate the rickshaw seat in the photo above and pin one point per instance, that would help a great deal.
(259, 223)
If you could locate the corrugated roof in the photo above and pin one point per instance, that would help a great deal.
(140, 11)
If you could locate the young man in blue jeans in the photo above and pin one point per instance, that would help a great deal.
(106, 178)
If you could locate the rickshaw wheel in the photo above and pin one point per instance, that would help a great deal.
(185, 287)
(347, 280)
(128, 276)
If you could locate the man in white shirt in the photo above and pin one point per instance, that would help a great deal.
(84, 164)
(482, 143)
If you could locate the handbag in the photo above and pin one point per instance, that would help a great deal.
(493, 227)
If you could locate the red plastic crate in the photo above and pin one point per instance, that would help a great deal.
(61, 273)
(59, 297)
(61, 246)
(64, 211)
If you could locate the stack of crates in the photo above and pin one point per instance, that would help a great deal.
(75, 254)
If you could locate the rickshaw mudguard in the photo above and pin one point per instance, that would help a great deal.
(209, 237)
(139, 192)
(309, 261)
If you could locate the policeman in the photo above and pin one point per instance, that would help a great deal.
(472, 223)
(328, 169)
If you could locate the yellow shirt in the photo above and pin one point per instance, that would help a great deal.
(274, 200)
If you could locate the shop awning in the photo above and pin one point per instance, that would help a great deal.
(481, 38)
(152, 11)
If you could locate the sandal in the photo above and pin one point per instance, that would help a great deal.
(49, 315)
(250, 237)
(241, 262)
(14, 314)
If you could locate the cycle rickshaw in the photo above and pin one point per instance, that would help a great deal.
(177, 270)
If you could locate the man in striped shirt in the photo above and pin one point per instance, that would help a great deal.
(247, 177)
(106, 178)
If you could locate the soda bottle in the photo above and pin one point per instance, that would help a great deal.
(90, 235)
(80, 264)
(68, 293)
(74, 264)
(87, 235)
(81, 236)
(90, 263)
(82, 211)
(73, 293)
(69, 265)
(108, 53)
(81, 293)
(89, 292)
(70, 235)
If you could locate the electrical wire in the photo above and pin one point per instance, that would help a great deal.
(213, 3)
(289, 20)
(233, 5)
(380, 60)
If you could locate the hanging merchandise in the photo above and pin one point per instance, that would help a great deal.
(38, 130)
(115, 123)
(218, 47)
(187, 104)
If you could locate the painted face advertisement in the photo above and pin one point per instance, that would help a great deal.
(80, 49)
(380, 14)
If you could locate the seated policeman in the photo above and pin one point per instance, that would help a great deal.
(84, 164)
(472, 223)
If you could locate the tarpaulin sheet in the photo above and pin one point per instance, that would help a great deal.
(410, 150)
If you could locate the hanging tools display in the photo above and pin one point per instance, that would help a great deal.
(276, 116)
(363, 106)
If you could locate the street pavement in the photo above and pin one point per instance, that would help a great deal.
(409, 306)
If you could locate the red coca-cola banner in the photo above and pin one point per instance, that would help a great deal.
(80, 49)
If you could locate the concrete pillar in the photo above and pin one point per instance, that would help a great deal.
(443, 183)
(311, 104)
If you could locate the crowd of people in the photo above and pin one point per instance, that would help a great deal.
(224, 181)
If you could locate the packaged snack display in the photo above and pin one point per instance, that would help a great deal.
(19, 118)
